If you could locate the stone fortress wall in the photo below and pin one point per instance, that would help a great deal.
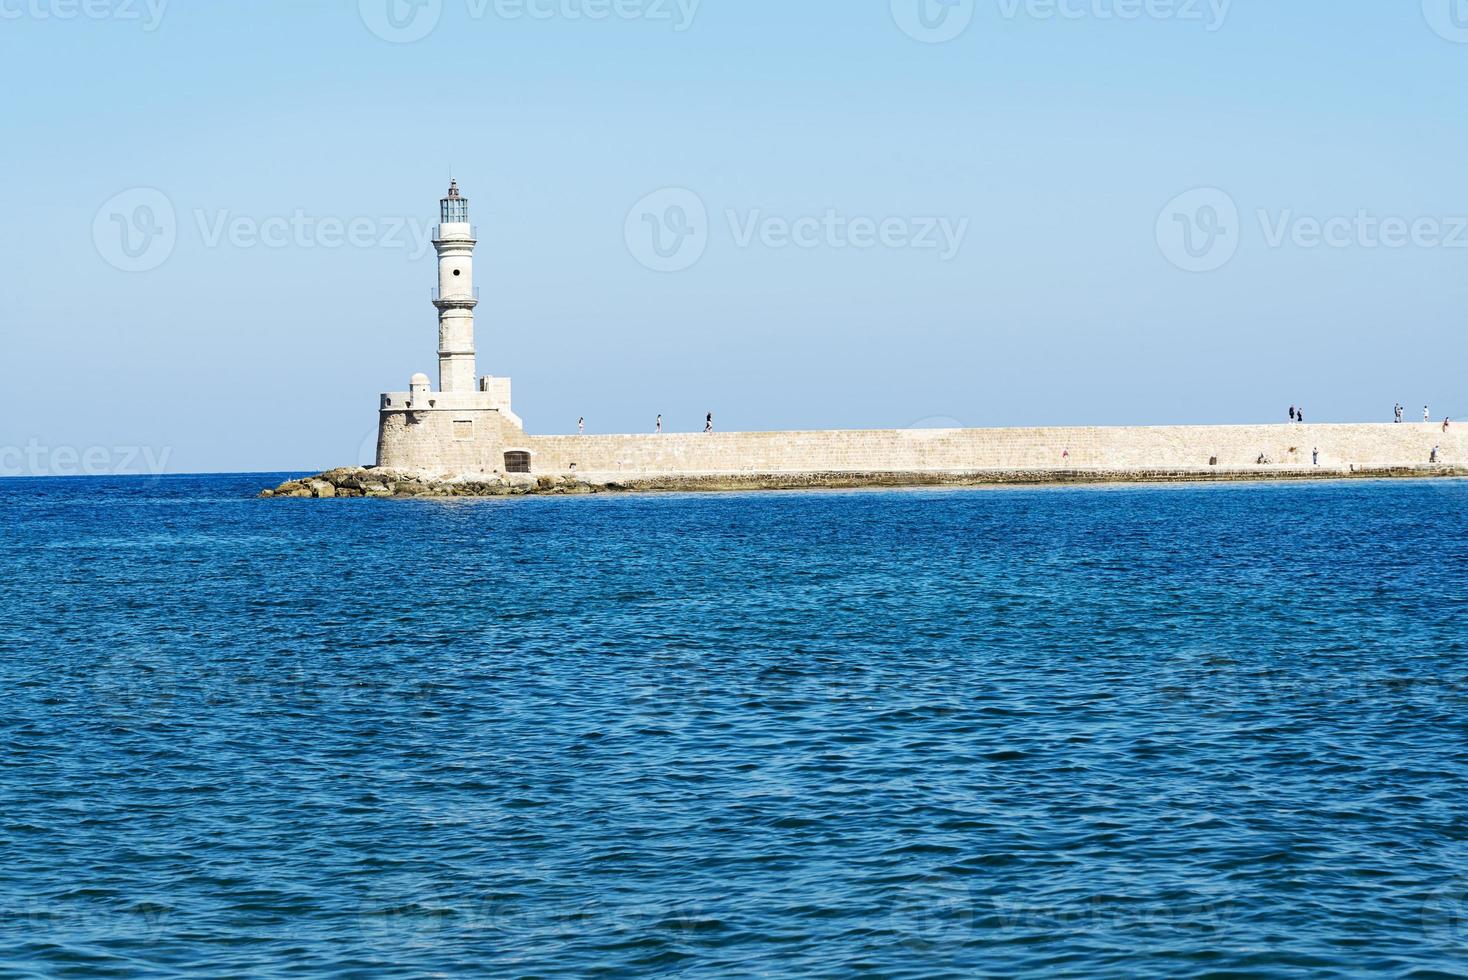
(442, 440)
(450, 445)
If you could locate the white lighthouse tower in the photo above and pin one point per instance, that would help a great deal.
(466, 426)
(455, 296)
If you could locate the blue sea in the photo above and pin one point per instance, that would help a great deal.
(1191, 731)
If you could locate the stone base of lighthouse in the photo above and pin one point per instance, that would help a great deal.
(461, 434)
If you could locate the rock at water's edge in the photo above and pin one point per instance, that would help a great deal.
(358, 481)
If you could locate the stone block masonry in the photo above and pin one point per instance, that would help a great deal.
(445, 446)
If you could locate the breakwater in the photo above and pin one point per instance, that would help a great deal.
(1122, 450)
(352, 482)
(416, 460)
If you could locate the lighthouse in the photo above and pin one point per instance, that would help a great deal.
(455, 296)
(466, 426)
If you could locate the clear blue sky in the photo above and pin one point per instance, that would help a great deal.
(1060, 138)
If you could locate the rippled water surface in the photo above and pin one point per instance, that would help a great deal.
(1157, 732)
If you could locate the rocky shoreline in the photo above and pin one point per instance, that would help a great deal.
(354, 481)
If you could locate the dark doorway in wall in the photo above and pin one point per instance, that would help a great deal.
(517, 462)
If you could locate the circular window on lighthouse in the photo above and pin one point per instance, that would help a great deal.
(456, 272)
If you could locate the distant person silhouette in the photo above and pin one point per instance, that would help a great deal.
(581, 425)
(1292, 413)
(660, 424)
(708, 423)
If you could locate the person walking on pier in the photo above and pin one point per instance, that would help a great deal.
(1300, 415)
(581, 425)
(708, 423)
(1446, 423)
(1315, 456)
(659, 429)
(1433, 457)
(1426, 414)
(1292, 413)
(1397, 412)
